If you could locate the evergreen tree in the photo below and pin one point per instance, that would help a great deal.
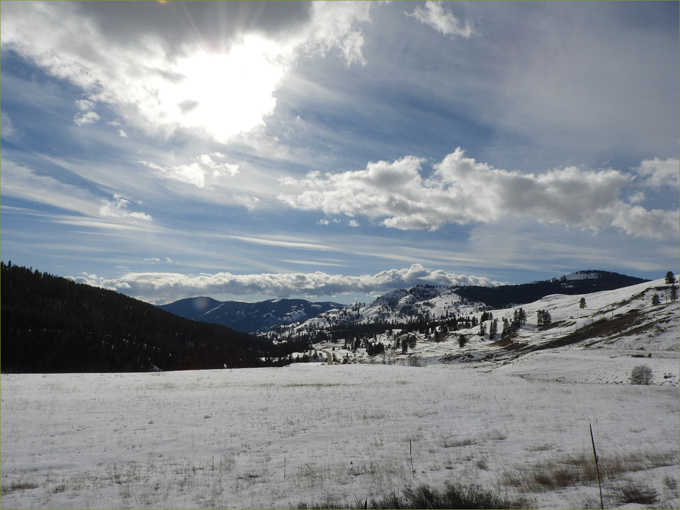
(670, 278)
(543, 318)
(493, 329)
(582, 303)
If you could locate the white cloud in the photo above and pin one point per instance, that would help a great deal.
(196, 173)
(122, 133)
(442, 21)
(116, 209)
(189, 174)
(206, 160)
(23, 182)
(20, 181)
(86, 118)
(463, 191)
(84, 105)
(660, 173)
(160, 81)
(6, 128)
(170, 286)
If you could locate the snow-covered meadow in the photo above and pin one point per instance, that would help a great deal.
(278, 437)
(317, 433)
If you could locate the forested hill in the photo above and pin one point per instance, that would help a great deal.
(583, 282)
(248, 317)
(52, 324)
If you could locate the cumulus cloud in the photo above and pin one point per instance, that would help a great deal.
(462, 190)
(434, 15)
(170, 286)
(211, 67)
(660, 173)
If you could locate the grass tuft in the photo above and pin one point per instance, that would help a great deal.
(635, 492)
(580, 470)
(454, 495)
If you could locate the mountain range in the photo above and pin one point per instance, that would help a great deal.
(248, 317)
(52, 324)
(420, 303)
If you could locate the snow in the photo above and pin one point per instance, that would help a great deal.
(272, 438)
(315, 432)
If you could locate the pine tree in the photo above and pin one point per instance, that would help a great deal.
(543, 318)
(493, 329)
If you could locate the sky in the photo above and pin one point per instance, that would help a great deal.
(335, 151)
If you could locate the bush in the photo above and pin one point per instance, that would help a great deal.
(453, 496)
(641, 374)
(633, 492)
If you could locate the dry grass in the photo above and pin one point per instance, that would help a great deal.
(581, 470)
(18, 486)
(634, 492)
(457, 443)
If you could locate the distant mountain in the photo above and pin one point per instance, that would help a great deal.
(52, 324)
(635, 321)
(249, 317)
(424, 304)
(582, 282)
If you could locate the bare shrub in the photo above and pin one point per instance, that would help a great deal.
(19, 486)
(457, 443)
(670, 483)
(641, 374)
(635, 492)
(452, 496)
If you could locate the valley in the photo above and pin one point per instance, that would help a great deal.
(510, 414)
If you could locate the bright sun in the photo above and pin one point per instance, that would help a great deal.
(225, 94)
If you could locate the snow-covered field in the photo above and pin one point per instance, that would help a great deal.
(315, 432)
(276, 437)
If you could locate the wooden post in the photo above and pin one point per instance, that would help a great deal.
(599, 481)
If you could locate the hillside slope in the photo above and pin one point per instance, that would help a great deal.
(606, 331)
(582, 282)
(248, 317)
(52, 324)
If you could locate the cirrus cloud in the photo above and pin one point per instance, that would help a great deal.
(462, 190)
(442, 21)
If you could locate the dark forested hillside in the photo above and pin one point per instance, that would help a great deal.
(52, 324)
(578, 283)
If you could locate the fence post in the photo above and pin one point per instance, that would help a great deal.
(597, 467)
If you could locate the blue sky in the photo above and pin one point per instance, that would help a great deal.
(335, 151)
